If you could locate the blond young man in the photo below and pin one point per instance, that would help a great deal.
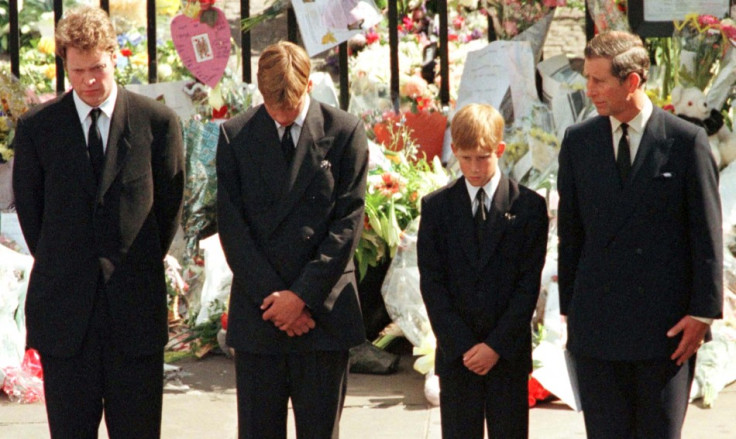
(482, 243)
(291, 183)
(98, 181)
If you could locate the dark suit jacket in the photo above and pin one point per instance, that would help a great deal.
(490, 296)
(292, 228)
(69, 222)
(634, 261)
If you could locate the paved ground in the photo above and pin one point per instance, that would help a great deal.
(377, 407)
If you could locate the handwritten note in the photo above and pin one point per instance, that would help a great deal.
(203, 49)
(492, 70)
(327, 23)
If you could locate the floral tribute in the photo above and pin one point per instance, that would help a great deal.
(702, 42)
(396, 185)
(14, 101)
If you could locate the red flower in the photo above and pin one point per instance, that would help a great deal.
(452, 37)
(223, 321)
(458, 22)
(371, 37)
(219, 113)
(536, 392)
(126, 52)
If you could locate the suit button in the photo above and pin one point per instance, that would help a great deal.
(639, 251)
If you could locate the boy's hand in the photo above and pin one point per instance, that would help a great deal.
(283, 308)
(303, 324)
(480, 359)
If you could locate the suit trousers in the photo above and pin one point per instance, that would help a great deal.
(500, 398)
(315, 381)
(634, 399)
(100, 378)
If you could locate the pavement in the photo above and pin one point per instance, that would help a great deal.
(201, 404)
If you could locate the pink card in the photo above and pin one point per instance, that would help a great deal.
(203, 49)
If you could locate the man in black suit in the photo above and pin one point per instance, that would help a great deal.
(98, 184)
(481, 248)
(291, 186)
(640, 249)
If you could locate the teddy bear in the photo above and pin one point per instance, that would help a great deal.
(690, 104)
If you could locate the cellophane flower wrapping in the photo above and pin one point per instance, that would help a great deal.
(700, 45)
(199, 216)
(608, 15)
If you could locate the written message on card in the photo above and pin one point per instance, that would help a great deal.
(203, 49)
(326, 23)
(490, 72)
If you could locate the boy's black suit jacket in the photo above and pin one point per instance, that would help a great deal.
(633, 261)
(482, 292)
(292, 227)
(69, 221)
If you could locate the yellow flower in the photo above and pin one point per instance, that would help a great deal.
(50, 71)
(46, 45)
(168, 7)
(139, 59)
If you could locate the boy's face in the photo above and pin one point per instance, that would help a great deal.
(478, 165)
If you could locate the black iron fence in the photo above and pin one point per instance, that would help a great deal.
(245, 42)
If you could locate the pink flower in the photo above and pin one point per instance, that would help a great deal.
(510, 28)
(390, 184)
(729, 31)
(708, 20)
(413, 87)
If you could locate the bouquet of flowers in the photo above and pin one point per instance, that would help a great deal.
(13, 102)
(511, 17)
(393, 196)
(701, 42)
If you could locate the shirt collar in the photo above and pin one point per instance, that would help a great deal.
(489, 187)
(106, 107)
(638, 123)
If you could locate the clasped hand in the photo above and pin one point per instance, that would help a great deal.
(480, 359)
(287, 311)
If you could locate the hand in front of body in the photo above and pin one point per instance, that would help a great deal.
(480, 359)
(693, 333)
(286, 310)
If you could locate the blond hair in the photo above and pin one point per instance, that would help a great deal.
(85, 28)
(283, 74)
(477, 127)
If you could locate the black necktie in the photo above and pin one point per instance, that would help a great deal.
(94, 143)
(287, 145)
(623, 161)
(480, 214)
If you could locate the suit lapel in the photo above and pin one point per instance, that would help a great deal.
(118, 143)
(311, 149)
(462, 211)
(266, 154)
(79, 164)
(652, 154)
(497, 222)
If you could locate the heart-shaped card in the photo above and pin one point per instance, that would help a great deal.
(203, 49)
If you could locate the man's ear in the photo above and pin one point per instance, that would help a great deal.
(500, 148)
(633, 81)
(309, 86)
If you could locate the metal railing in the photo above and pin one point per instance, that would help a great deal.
(245, 42)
